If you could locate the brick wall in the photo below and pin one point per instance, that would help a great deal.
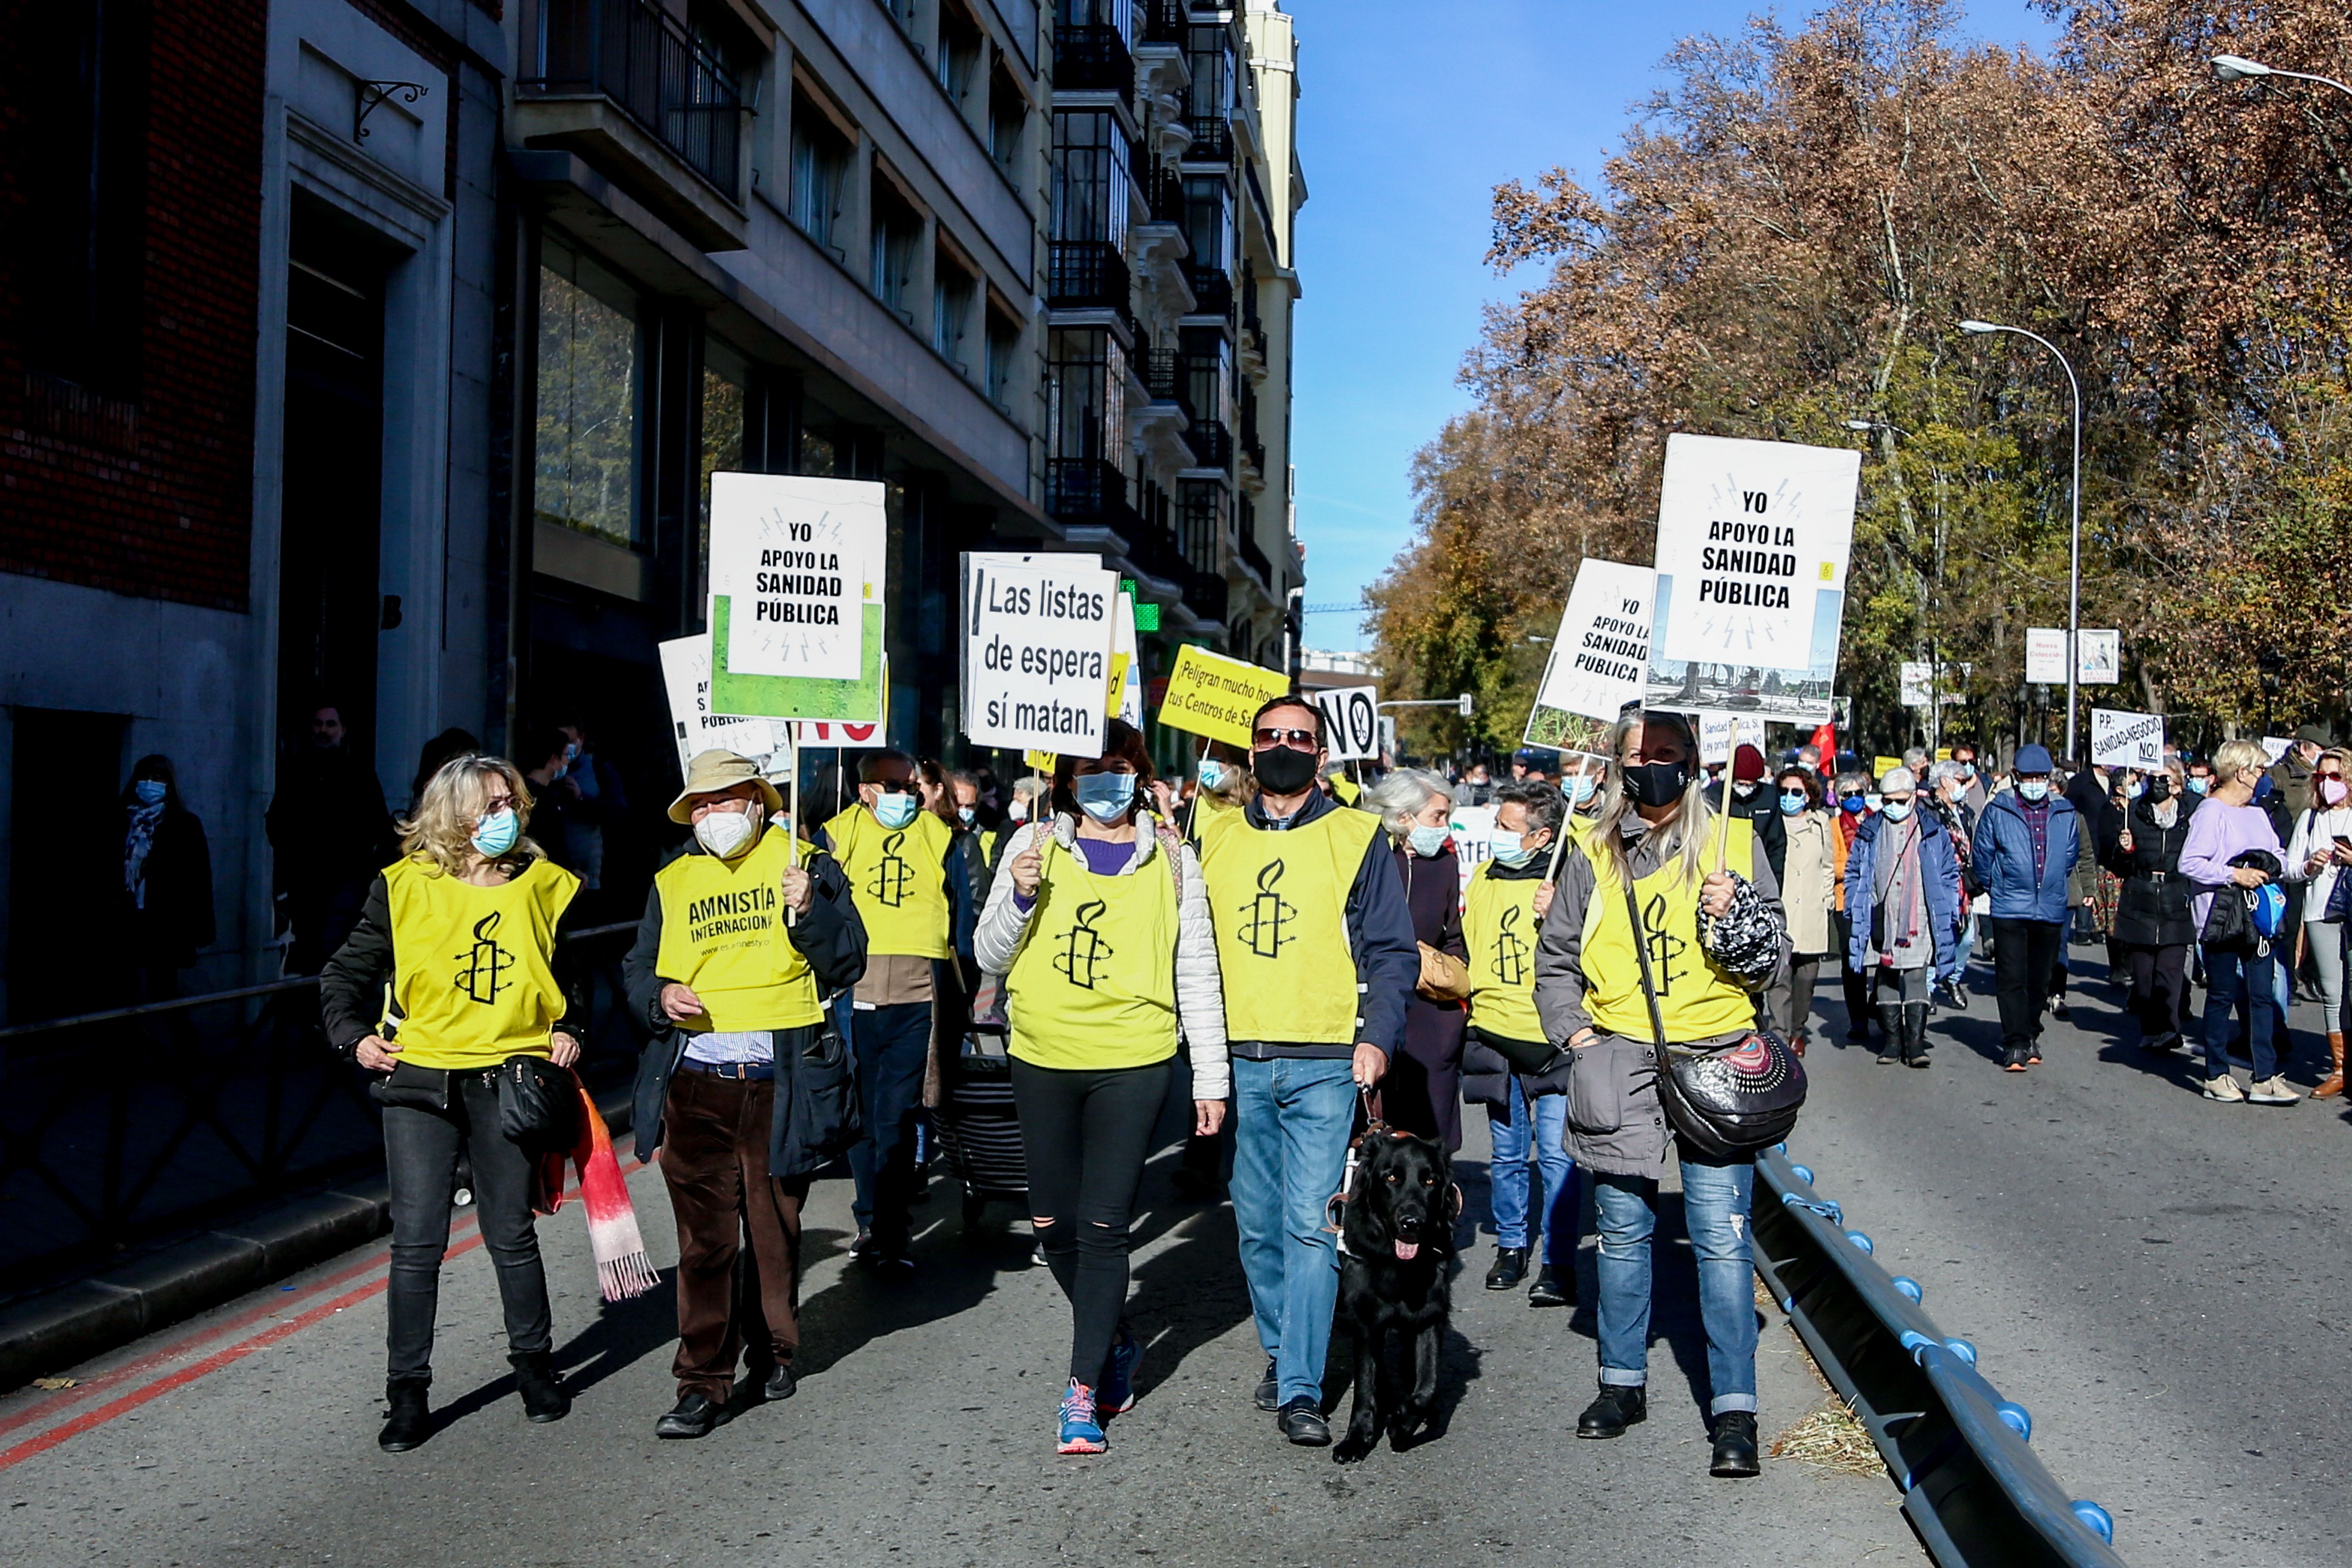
(145, 489)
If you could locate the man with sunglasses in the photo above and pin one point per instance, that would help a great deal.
(1317, 957)
(908, 879)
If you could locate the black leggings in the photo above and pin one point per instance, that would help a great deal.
(1085, 1132)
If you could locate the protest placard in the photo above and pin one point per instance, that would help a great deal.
(1126, 663)
(1882, 766)
(2120, 739)
(694, 724)
(795, 558)
(1352, 724)
(1473, 827)
(1209, 694)
(797, 696)
(2045, 654)
(1753, 538)
(2273, 748)
(1719, 734)
(1037, 651)
(1599, 658)
(850, 737)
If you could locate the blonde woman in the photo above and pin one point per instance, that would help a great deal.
(2231, 844)
(462, 930)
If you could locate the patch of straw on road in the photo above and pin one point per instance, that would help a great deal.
(1831, 1439)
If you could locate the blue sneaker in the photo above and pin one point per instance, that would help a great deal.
(1117, 1396)
(1082, 1432)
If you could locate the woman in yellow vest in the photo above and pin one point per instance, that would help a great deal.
(1100, 927)
(1713, 938)
(451, 971)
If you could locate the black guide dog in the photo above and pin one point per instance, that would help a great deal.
(1396, 1238)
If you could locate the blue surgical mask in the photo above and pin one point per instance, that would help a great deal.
(1895, 810)
(895, 809)
(2034, 789)
(1212, 773)
(1426, 840)
(2198, 785)
(1792, 802)
(1580, 787)
(1510, 848)
(1874, 801)
(967, 813)
(1853, 804)
(1105, 797)
(496, 834)
(150, 792)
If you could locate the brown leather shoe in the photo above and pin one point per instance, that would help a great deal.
(2332, 1084)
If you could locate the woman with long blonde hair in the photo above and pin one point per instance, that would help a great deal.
(449, 975)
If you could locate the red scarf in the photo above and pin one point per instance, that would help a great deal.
(623, 1270)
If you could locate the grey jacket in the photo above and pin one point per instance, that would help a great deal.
(1615, 1124)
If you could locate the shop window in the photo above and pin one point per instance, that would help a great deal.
(590, 395)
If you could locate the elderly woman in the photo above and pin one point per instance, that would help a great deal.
(1903, 906)
(2152, 923)
(1423, 1091)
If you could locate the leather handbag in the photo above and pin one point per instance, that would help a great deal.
(1730, 1102)
(535, 1102)
(1443, 978)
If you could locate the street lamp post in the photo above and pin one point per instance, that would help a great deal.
(2074, 547)
(2237, 67)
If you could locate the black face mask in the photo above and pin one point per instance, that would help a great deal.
(1655, 785)
(1280, 770)
(2159, 787)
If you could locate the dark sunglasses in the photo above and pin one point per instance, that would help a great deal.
(895, 787)
(1304, 740)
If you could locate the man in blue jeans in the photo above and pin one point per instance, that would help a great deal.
(1317, 956)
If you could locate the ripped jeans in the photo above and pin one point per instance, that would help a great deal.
(1715, 1213)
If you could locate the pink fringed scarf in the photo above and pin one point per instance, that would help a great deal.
(623, 1270)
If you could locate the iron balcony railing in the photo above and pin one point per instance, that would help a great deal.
(1093, 491)
(1253, 448)
(1213, 140)
(1164, 22)
(1210, 442)
(1082, 273)
(1212, 290)
(634, 53)
(1207, 597)
(1163, 195)
(1093, 58)
(1166, 377)
(1255, 559)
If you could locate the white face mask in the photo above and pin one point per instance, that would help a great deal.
(726, 833)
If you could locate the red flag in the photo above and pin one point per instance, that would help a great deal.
(1825, 743)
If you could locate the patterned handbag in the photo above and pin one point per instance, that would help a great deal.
(1726, 1103)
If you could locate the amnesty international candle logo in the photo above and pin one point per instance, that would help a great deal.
(1511, 965)
(1083, 950)
(893, 877)
(482, 968)
(1665, 948)
(1268, 913)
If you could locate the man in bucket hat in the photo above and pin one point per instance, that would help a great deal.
(744, 936)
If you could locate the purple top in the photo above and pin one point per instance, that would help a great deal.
(1104, 858)
(2217, 835)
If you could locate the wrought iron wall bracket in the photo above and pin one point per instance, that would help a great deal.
(372, 94)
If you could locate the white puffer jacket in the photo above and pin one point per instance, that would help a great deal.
(1199, 990)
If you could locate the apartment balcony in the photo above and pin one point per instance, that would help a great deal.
(1212, 443)
(1254, 455)
(1087, 274)
(1213, 140)
(1212, 290)
(1093, 59)
(1165, 23)
(624, 85)
(1208, 597)
(1091, 493)
(1254, 560)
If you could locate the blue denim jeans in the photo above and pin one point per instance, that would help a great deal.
(1715, 1212)
(889, 1045)
(1291, 1122)
(2231, 978)
(1513, 1188)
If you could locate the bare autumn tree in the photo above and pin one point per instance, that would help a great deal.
(1786, 244)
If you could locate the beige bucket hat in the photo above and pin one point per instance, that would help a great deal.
(715, 772)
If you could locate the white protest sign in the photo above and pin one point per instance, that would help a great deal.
(1473, 827)
(1603, 646)
(848, 737)
(1037, 651)
(1351, 722)
(2124, 740)
(2099, 658)
(1126, 663)
(1719, 734)
(797, 558)
(2045, 656)
(2273, 749)
(686, 676)
(1753, 538)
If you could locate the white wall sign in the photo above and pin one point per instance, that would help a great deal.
(1753, 538)
(1719, 734)
(1351, 722)
(2122, 740)
(686, 676)
(1037, 651)
(2099, 658)
(2045, 654)
(1603, 647)
(797, 558)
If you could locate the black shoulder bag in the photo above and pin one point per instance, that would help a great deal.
(1728, 1103)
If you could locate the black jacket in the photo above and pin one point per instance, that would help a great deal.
(177, 917)
(1763, 808)
(2153, 909)
(831, 938)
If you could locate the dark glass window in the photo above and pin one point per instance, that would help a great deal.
(590, 393)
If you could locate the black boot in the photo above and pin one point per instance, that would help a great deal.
(1735, 1443)
(1510, 1267)
(409, 1422)
(544, 1397)
(1615, 1409)
(1915, 1033)
(1555, 1286)
(1890, 1024)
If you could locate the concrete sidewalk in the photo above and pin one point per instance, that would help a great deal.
(922, 1432)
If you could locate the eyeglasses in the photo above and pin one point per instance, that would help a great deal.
(1302, 739)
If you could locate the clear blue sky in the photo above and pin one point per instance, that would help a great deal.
(1409, 116)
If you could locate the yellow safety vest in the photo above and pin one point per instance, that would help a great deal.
(1346, 789)
(724, 936)
(1498, 924)
(1093, 985)
(988, 847)
(472, 983)
(1697, 997)
(1279, 904)
(899, 878)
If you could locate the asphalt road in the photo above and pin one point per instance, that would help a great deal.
(922, 1434)
(2162, 1280)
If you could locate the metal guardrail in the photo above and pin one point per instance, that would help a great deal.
(131, 1125)
(1972, 1486)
